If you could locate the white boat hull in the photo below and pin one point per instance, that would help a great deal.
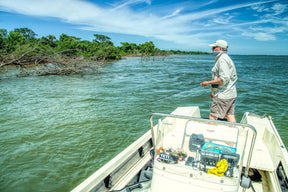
(269, 157)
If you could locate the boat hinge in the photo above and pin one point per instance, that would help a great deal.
(151, 142)
(140, 151)
(108, 182)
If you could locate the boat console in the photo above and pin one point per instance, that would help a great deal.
(208, 155)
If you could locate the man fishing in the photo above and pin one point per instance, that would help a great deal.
(223, 88)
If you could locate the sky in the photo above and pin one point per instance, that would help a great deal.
(249, 26)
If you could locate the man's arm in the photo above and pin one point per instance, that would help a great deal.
(217, 81)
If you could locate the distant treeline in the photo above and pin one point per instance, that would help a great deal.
(21, 47)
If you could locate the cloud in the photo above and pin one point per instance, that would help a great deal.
(274, 10)
(221, 10)
(181, 26)
(279, 8)
(223, 20)
(270, 30)
(130, 2)
(175, 13)
(68, 10)
(272, 23)
(260, 36)
(260, 8)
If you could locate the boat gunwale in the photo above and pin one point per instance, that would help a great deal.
(96, 179)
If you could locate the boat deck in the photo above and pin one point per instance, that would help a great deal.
(261, 151)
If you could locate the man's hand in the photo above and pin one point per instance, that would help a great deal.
(205, 83)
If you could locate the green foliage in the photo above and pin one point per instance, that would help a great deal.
(178, 52)
(14, 40)
(129, 48)
(101, 38)
(67, 45)
(3, 33)
(3, 36)
(50, 41)
(26, 33)
(22, 43)
(148, 48)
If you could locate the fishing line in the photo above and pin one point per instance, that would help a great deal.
(144, 106)
(166, 97)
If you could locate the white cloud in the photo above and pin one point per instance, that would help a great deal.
(175, 13)
(260, 36)
(279, 8)
(260, 8)
(179, 26)
(68, 10)
(223, 19)
(130, 2)
(270, 30)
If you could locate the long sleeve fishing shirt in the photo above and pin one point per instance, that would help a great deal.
(224, 69)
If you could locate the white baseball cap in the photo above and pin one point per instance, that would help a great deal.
(220, 43)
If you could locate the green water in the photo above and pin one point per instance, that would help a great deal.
(55, 131)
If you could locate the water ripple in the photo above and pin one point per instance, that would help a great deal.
(57, 130)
